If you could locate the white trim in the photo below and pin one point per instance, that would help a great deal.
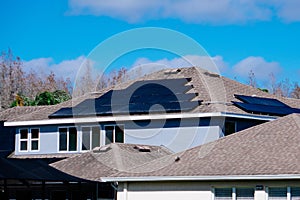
(233, 193)
(136, 117)
(288, 193)
(212, 193)
(201, 178)
(267, 192)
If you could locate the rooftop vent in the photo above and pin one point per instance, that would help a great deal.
(142, 148)
(173, 71)
(101, 149)
(211, 74)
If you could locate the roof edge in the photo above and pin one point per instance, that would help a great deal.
(137, 117)
(201, 178)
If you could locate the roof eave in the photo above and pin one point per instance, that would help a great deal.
(202, 178)
(137, 117)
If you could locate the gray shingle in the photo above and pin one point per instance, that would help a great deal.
(268, 149)
(217, 93)
(108, 160)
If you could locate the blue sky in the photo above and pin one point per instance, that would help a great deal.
(262, 36)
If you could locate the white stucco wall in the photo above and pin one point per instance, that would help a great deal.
(154, 191)
(196, 190)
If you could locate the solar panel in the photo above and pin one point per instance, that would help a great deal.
(269, 110)
(141, 97)
(260, 101)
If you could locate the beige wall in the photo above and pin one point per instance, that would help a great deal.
(190, 190)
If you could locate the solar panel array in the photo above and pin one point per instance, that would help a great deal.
(268, 106)
(142, 97)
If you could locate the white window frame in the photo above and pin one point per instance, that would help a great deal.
(29, 139)
(114, 132)
(68, 138)
(91, 137)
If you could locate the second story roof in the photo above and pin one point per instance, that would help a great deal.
(185, 91)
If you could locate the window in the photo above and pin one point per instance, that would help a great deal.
(35, 134)
(245, 193)
(31, 138)
(277, 193)
(223, 193)
(239, 193)
(24, 139)
(67, 139)
(90, 137)
(230, 127)
(114, 134)
(295, 193)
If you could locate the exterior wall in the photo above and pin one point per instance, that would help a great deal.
(194, 190)
(175, 134)
(157, 191)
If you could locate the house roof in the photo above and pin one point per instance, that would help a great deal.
(214, 91)
(109, 159)
(15, 112)
(269, 150)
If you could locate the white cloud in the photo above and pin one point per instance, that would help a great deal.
(197, 11)
(259, 66)
(65, 69)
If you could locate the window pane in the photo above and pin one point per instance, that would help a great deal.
(35, 145)
(34, 133)
(278, 193)
(109, 134)
(62, 139)
(119, 137)
(223, 193)
(86, 138)
(72, 139)
(229, 127)
(24, 133)
(245, 193)
(23, 145)
(295, 193)
(95, 136)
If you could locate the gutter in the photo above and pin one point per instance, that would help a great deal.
(136, 117)
(201, 178)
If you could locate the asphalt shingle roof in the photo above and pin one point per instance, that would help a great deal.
(271, 148)
(109, 159)
(216, 92)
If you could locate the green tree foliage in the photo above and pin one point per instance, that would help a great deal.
(16, 83)
(43, 98)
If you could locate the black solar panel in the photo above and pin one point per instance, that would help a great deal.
(269, 110)
(260, 100)
(142, 97)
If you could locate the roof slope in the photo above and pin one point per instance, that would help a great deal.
(215, 92)
(268, 149)
(16, 112)
(109, 159)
